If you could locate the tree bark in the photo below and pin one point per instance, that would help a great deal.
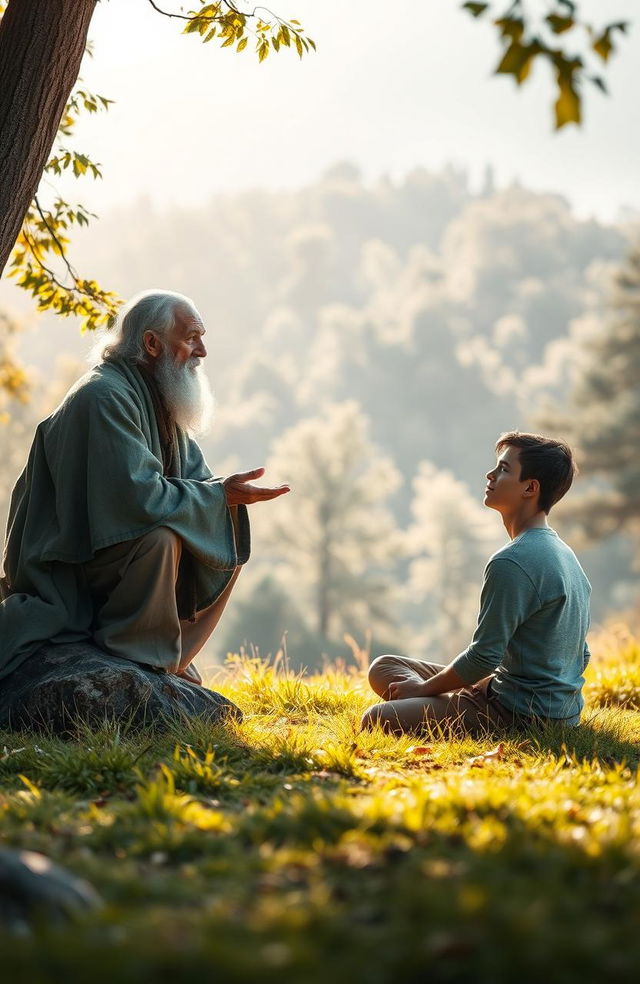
(41, 47)
(324, 588)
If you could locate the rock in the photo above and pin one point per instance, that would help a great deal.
(62, 685)
(34, 889)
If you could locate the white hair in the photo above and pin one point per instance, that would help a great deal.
(186, 392)
(151, 310)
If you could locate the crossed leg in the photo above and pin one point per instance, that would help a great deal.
(471, 710)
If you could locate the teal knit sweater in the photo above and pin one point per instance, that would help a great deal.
(532, 627)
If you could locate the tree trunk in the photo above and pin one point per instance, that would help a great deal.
(324, 589)
(41, 46)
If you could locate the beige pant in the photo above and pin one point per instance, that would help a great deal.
(133, 585)
(472, 710)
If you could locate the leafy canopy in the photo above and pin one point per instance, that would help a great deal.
(527, 36)
(40, 262)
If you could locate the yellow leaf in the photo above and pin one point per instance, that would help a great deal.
(517, 61)
(567, 105)
(603, 45)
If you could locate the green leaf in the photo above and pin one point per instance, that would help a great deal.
(475, 9)
(192, 26)
(559, 24)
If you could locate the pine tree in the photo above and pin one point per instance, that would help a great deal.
(335, 539)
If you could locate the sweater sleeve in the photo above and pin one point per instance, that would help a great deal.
(508, 598)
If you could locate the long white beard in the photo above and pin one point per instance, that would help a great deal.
(187, 393)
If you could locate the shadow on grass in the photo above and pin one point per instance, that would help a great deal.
(606, 736)
(114, 758)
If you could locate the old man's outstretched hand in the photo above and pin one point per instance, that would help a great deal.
(239, 491)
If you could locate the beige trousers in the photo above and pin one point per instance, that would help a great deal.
(472, 710)
(133, 585)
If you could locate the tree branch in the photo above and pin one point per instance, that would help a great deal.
(230, 6)
(185, 17)
(166, 13)
(72, 273)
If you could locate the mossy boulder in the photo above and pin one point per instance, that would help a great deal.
(63, 685)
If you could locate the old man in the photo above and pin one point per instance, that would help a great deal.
(117, 531)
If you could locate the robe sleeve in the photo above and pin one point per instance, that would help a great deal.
(127, 494)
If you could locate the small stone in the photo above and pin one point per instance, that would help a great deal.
(33, 888)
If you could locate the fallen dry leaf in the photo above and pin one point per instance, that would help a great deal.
(495, 755)
(420, 750)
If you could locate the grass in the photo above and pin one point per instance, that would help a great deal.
(293, 847)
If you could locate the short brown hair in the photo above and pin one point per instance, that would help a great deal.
(549, 461)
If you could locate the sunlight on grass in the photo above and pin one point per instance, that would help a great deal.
(292, 843)
(614, 677)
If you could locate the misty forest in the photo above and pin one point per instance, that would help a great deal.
(368, 343)
(255, 782)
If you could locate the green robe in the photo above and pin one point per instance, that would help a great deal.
(94, 477)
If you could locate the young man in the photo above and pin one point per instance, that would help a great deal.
(529, 650)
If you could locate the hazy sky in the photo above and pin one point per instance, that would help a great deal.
(394, 85)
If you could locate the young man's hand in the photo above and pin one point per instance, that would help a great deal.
(406, 688)
(239, 492)
(442, 683)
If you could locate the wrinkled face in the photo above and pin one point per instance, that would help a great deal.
(184, 340)
(179, 373)
(505, 491)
